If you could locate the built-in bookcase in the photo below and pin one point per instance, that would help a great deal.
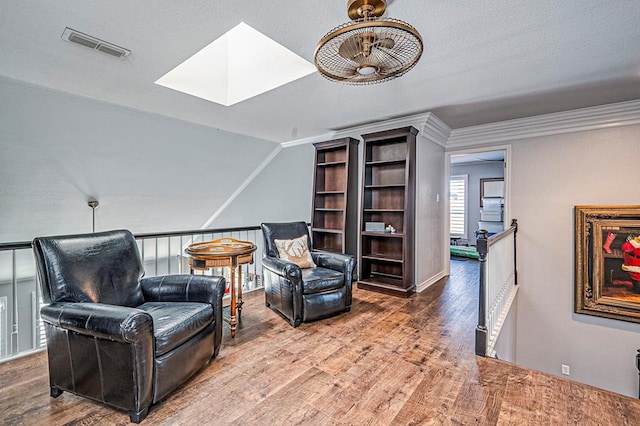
(388, 194)
(334, 222)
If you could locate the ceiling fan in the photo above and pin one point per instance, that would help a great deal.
(369, 49)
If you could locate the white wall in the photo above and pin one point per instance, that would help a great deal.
(475, 173)
(550, 175)
(149, 173)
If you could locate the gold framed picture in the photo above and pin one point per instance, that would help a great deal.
(607, 261)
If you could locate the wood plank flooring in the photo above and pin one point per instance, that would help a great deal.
(389, 361)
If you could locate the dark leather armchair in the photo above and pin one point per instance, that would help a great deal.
(310, 293)
(114, 336)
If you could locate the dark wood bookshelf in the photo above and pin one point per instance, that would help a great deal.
(334, 216)
(388, 195)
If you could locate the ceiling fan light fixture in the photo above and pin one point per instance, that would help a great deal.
(369, 49)
(367, 70)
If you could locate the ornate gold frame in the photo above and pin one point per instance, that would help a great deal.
(604, 286)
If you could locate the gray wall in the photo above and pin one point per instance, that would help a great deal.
(150, 173)
(281, 192)
(550, 175)
(430, 212)
(507, 340)
(475, 173)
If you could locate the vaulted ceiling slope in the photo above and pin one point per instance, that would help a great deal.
(150, 173)
(484, 61)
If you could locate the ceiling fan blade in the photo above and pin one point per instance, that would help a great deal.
(387, 43)
(384, 56)
(350, 49)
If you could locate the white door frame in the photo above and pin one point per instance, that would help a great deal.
(507, 189)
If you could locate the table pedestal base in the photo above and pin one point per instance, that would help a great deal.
(219, 253)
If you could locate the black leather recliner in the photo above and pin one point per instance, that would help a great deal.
(305, 294)
(114, 336)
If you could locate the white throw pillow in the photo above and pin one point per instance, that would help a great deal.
(296, 251)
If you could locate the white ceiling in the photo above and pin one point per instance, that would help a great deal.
(478, 157)
(484, 61)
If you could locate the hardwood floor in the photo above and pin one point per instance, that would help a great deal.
(390, 361)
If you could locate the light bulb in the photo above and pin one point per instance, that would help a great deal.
(367, 70)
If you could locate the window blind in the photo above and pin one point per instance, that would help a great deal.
(457, 206)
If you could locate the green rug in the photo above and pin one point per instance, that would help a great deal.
(463, 251)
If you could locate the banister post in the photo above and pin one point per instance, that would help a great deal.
(481, 329)
(514, 224)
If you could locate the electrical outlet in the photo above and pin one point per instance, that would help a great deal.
(566, 370)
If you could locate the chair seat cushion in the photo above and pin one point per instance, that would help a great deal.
(175, 323)
(319, 280)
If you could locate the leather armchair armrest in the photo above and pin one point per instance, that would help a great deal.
(128, 326)
(338, 262)
(189, 288)
(119, 323)
(288, 270)
(184, 288)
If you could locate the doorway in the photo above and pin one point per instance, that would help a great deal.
(478, 196)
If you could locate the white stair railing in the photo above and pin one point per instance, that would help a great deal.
(498, 285)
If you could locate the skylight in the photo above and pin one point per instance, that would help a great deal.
(239, 65)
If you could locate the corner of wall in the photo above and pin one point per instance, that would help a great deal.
(246, 183)
(429, 282)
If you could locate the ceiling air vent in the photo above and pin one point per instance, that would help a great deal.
(86, 40)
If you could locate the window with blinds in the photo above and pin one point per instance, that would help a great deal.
(458, 206)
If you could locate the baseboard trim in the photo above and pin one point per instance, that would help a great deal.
(428, 283)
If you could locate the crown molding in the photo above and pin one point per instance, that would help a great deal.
(578, 120)
(415, 120)
(311, 139)
(435, 130)
(430, 127)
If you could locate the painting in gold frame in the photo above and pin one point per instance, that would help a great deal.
(607, 261)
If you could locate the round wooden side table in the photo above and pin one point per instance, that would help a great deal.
(221, 253)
